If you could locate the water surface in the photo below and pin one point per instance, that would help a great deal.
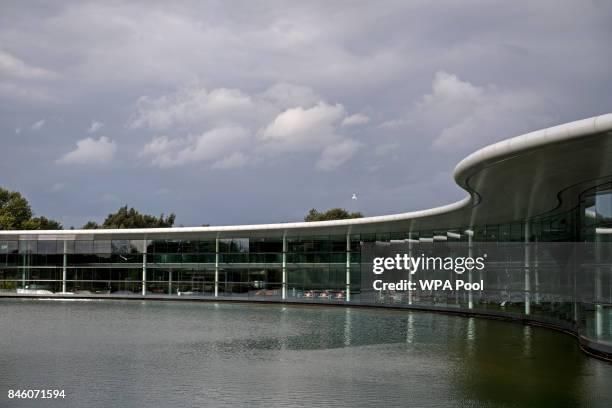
(183, 354)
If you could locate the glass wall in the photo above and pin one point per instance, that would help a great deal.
(536, 269)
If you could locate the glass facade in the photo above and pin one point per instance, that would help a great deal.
(554, 269)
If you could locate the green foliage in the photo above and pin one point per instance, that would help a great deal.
(91, 225)
(331, 214)
(14, 210)
(130, 218)
(16, 214)
(41, 223)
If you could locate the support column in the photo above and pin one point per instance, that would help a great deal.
(64, 262)
(470, 234)
(144, 267)
(410, 273)
(598, 289)
(598, 321)
(284, 265)
(25, 268)
(536, 266)
(348, 266)
(217, 266)
(527, 277)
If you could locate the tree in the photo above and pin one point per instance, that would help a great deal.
(41, 223)
(91, 225)
(130, 218)
(16, 214)
(331, 214)
(14, 210)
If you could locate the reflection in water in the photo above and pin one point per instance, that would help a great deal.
(470, 336)
(283, 321)
(410, 328)
(347, 327)
(164, 354)
(527, 341)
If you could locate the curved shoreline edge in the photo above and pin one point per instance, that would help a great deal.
(585, 345)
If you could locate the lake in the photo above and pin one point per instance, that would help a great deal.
(107, 353)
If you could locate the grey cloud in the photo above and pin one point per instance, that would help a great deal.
(429, 76)
(36, 126)
(11, 66)
(462, 116)
(356, 119)
(283, 118)
(335, 155)
(90, 151)
(210, 145)
(95, 126)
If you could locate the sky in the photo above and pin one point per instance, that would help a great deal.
(247, 112)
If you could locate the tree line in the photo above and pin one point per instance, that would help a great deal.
(16, 214)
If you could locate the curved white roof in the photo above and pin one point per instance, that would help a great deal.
(510, 180)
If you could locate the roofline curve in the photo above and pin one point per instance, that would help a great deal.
(467, 167)
(529, 141)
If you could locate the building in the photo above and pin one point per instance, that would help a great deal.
(542, 202)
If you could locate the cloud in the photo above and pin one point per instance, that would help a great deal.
(11, 66)
(356, 119)
(233, 125)
(452, 99)
(386, 149)
(233, 161)
(335, 155)
(285, 95)
(36, 126)
(22, 83)
(95, 126)
(25, 94)
(212, 144)
(190, 106)
(311, 129)
(200, 41)
(477, 115)
(160, 150)
(90, 151)
(194, 107)
(189, 60)
(307, 129)
(394, 124)
(170, 152)
(458, 115)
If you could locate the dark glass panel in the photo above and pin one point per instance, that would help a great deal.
(28, 247)
(262, 245)
(137, 246)
(120, 246)
(83, 247)
(8, 247)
